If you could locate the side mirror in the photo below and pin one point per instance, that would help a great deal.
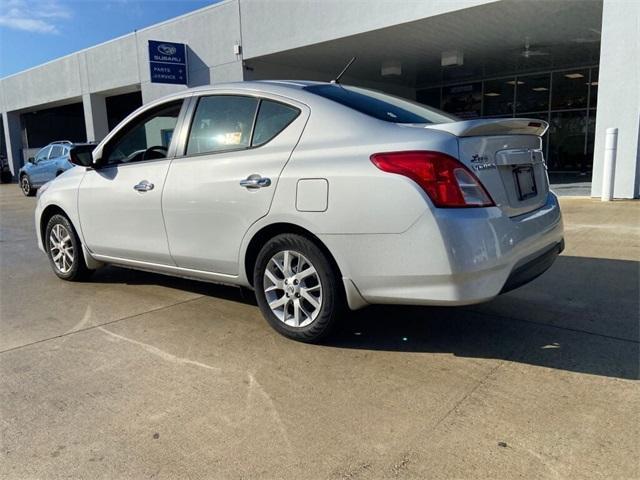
(81, 155)
(31, 160)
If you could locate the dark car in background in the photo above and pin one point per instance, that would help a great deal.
(48, 163)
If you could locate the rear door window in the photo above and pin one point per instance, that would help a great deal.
(222, 123)
(56, 151)
(273, 117)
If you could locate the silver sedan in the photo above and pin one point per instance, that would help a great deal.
(315, 195)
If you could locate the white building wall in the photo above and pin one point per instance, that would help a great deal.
(210, 35)
(619, 96)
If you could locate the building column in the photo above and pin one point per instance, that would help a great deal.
(13, 138)
(619, 96)
(95, 116)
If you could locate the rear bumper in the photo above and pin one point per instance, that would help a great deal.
(531, 269)
(451, 256)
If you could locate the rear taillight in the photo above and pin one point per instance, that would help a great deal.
(447, 181)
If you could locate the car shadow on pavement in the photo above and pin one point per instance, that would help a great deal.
(581, 316)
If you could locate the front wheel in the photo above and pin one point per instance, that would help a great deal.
(25, 186)
(298, 288)
(64, 249)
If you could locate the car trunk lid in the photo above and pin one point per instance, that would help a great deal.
(506, 156)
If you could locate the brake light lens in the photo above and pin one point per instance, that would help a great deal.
(447, 182)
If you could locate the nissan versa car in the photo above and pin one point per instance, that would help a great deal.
(315, 195)
(48, 163)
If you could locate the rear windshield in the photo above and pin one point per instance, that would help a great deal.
(380, 105)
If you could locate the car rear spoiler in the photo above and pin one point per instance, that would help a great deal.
(493, 126)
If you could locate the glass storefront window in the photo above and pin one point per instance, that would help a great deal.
(561, 98)
(498, 96)
(464, 101)
(570, 89)
(532, 94)
(429, 96)
(591, 135)
(593, 99)
(567, 150)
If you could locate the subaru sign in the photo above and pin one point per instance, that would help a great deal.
(168, 62)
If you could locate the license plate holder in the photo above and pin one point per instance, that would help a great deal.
(525, 182)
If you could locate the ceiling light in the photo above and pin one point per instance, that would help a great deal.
(573, 76)
(452, 58)
(513, 82)
(540, 89)
(594, 84)
(391, 68)
(492, 94)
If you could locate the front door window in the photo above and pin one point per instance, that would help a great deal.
(42, 154)
(148, 138)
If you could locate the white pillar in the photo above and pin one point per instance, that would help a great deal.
(13, 138)
(95, 116)
(619, 97)
(609, 173)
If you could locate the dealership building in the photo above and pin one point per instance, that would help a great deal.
(574, 64)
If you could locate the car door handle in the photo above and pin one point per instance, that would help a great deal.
(143, 186)
(255, 181)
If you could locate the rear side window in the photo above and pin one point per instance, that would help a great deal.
(380, 105)
(273, 117)
(222, 122)
(56, 151)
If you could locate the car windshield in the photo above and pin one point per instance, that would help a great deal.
(380, 105)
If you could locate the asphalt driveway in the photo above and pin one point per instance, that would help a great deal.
(136, 375)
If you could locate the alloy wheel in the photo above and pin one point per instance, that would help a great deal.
(61, 248)
(25, 185)
(292, 288)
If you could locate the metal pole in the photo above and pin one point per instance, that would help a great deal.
(608, 177)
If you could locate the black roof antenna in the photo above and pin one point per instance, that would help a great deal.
(337, 79)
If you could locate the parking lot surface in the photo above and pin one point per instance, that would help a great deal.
(136, 375)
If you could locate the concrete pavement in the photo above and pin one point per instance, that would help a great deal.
(135, 375)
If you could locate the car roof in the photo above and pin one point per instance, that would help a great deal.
(287, 88)
(68, 143)
(292, 89)
(263, 85)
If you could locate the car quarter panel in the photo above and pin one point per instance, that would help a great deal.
(336, 146)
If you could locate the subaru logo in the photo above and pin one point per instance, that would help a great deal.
(167, 49)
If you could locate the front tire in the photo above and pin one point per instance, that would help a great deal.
(64, 249)
(25, 186)
(297, 288)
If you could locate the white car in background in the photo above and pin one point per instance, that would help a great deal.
(315, 195)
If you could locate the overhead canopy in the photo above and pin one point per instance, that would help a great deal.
(492, 39)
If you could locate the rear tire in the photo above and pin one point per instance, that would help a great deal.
(25, 186)
(64, 249)
(298, 288)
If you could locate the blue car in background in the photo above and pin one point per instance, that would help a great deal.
(48, 163)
